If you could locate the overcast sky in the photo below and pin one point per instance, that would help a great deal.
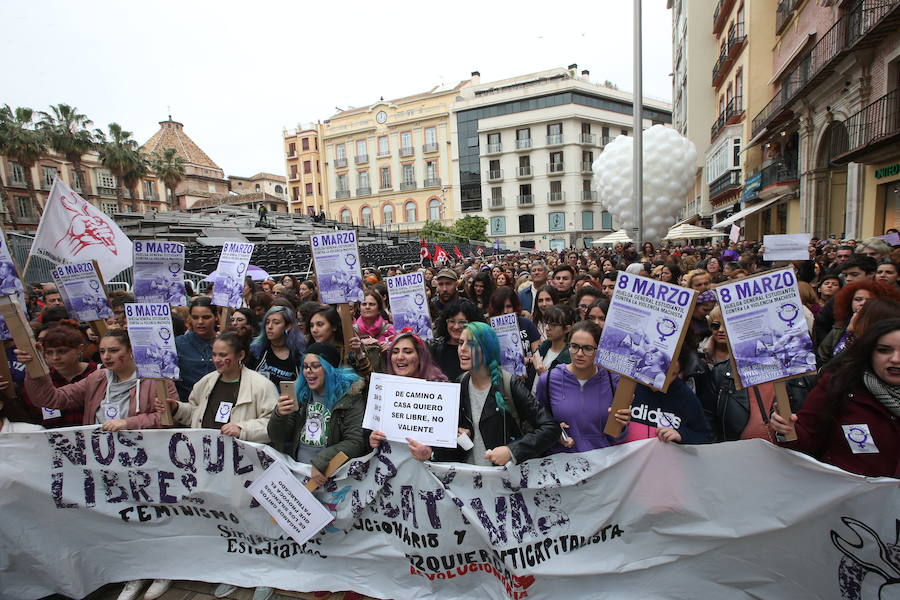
(236, 73)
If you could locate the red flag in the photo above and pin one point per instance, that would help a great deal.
(423, 252)
(440, 255)
(458, 253)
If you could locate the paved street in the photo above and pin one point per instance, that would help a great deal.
(192, 590)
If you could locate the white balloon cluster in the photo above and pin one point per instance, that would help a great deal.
(669, 169)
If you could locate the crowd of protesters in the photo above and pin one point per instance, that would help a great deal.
(230, 378)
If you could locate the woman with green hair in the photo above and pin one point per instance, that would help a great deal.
(497, 412)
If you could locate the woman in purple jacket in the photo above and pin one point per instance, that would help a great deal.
(580, 394)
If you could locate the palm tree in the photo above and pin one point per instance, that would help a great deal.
(118, 153)
(169, 168)
(133, 178)
(23, 144)
(68, 133)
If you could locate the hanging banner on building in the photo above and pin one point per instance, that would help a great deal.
(409, 304)
(645, 326)
(159, 272)
(512, 357)
(408, 407)
(767, 332)
(173, 504)
(336, 257)
(229, 280)
(152, 340)
(82, 291)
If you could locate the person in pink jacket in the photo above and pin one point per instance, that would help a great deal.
(112, 397)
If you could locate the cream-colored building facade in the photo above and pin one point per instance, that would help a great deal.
(261, 183)
(389, 164)
(305, 167)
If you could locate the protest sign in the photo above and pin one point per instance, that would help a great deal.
(82, 291)
(292, 506)
(791, 246)
(892, 239)
(409, 304)
(645, 326)
(767, 332)
(13, 312)
(152, 341)
(229, 282)
(172, 504)
(73, 230)
(9, 275)
(408, 407)
(159, 272)
(336, 256)
(512, 357)
(735, 234)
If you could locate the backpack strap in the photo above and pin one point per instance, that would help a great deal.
(507, 395)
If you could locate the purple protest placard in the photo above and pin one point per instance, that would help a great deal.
(229, 282)
(409, 304)
(512, 358)
(159, 272)
(336, 257)
(82, 291)
(767, 332)
(644, 328)
(152, 340)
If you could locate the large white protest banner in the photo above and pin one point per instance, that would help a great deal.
(152, 340)
(159, 272)
(766, 329)
(336, 256)
(408, 407)
(82, 291)
(644, 328)
(73, 230)
(229, 275)
(512, 357)
(409, 305)
(82, 507)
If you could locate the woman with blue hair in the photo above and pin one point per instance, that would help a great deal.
(277, 350)
(326, 418)
(511, 426)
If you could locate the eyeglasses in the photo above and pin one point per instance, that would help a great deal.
(312, 367)
(455, 323)
(715, 325)
(576, 348)
(583, 307)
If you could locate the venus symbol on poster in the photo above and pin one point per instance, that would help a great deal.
(230, 272)
(152, 340)
(159, 272)
(336, 257)
(409, 305)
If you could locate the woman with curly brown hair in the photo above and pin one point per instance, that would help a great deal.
(847, 304)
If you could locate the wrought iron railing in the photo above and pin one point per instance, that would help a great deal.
(878, 120)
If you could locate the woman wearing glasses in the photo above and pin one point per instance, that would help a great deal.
(555, 349)
(579, 394)
(449, 330)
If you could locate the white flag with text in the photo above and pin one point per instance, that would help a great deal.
(73, 230)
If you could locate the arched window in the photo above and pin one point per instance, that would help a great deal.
(387, 214)
(279, 189)
(411, 212)
(434, 209)
(346, 216)
(365, 216)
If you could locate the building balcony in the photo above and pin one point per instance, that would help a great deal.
(496, 203)
(524, 172)
(523, 144)
(783, 14)
(106, 191)
(407, 185)
(385, 187)
(495, 175)
(340, 194)
(493, 149)
(19, 183)
(726, 183)
(361, 159)
(720, 15)
(363, 191)
(555, 140)
(556, 197)
(340, 163)
(778, 178)
(586, 167)
(525, 199)
(588, 196)
(734, 112)
(429, 148)
(588, 138)
(406, 151)
(431, 182)
(290, 154)
(555, 168)
(863, 26)
(384, 153)
(729, 52)
(872, 134)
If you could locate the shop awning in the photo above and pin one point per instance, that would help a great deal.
(691, 232)
(749, 211)
(614, 238)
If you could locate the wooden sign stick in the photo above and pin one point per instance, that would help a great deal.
(224, 315)
(783, 403)
(165, 417)
(333, 465)
(10, 392)
(346, 327)
(623, 399)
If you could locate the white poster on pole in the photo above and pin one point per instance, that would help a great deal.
(82, 290)
(336, 256)
(230, 272)
(408, 407)
(159, 272)
(790, 246)
(512, 357)
(292, 506)
(152, 340)
(735, 234)
(409, 304)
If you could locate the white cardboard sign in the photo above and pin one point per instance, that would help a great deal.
(408, 407)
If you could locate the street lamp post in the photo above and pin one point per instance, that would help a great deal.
(638, 110)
